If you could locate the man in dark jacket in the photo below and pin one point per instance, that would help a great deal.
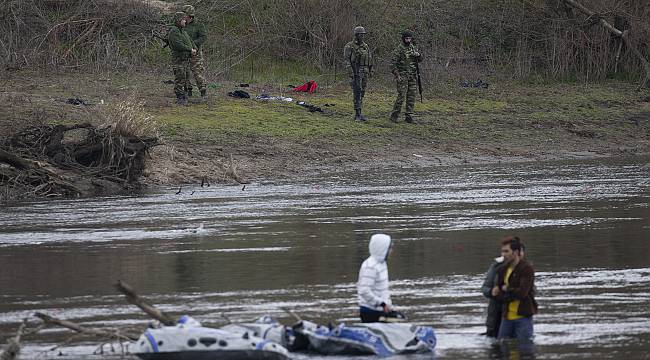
(493, 320)
(516, 289)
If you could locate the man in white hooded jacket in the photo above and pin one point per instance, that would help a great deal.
(372, 288)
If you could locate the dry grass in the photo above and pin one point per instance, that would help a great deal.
(129, 119)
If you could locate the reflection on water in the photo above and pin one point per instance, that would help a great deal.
(299, 245)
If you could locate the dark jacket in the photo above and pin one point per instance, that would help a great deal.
(521, 286)
(493, 319)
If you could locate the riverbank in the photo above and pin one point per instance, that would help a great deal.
(225, 139)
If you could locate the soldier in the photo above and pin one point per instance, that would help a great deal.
(196, 31)
(358, 63)
(182, 50)
(403, 68)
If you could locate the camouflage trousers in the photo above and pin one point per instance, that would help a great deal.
(359, 92)
(198, 69)
(181, 69)
(406, 88)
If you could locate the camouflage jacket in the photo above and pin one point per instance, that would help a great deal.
(403, 60)
(356, 55)
(196, 31)
(179, 43)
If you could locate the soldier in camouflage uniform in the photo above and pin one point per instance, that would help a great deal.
(197, 34)
(182, 50)
(403, 68)
(358, 63)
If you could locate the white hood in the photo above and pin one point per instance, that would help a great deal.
(379, 246)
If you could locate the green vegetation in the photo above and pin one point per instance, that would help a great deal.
(450, 115)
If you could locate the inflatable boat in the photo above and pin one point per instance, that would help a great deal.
(190, 341)
(382, 339)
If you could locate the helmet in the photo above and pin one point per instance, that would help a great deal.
(189, 10)
(407, 33)
(359, 30)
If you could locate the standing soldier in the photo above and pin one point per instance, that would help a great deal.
(197, 33)
(358, 63)
(403, 67)
(182, 50)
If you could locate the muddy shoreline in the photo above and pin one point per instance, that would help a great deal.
(226, 140)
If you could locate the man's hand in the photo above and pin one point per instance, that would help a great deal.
(495, 291)
(415, 54)
(504, 288)
(387, 308)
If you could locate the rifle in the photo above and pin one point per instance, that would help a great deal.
(417, 72)
(163, 39)
(357, 81)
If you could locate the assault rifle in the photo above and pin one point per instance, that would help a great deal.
(417, 72)
(164, 39)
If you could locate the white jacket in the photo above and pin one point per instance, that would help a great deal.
(372, 287)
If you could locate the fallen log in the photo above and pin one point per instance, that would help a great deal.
(13, 344)
(15, 161)
(109, 333)
(133, 298)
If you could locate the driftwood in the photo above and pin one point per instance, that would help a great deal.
(107, 334)
(623, 35)
(133, 298)
(13, 344)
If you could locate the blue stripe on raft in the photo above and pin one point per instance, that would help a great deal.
(260, 345)
(152, 341)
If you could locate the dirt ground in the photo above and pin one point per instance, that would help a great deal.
(225, 139)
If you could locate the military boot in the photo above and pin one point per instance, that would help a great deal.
(189, 92)
(203, 93)
(394, 117)
(409, 119)
(357, 115)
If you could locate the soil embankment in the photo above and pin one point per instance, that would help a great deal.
(230, 140)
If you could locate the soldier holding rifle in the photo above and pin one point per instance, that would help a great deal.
(404, 66)
(358, 64)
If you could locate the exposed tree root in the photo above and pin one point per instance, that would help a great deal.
(78, 160)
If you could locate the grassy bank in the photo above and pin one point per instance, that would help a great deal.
(507, 121)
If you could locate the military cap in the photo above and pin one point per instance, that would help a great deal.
(189, 10)
(359, 30)
(179, 15)
(407, 33)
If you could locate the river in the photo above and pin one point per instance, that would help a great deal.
(242, 252)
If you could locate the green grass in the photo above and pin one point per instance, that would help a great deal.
(458, 115)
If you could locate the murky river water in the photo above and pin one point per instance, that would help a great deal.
(298, 244)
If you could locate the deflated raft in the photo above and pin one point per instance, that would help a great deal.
(190, 341)
(382, 339)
